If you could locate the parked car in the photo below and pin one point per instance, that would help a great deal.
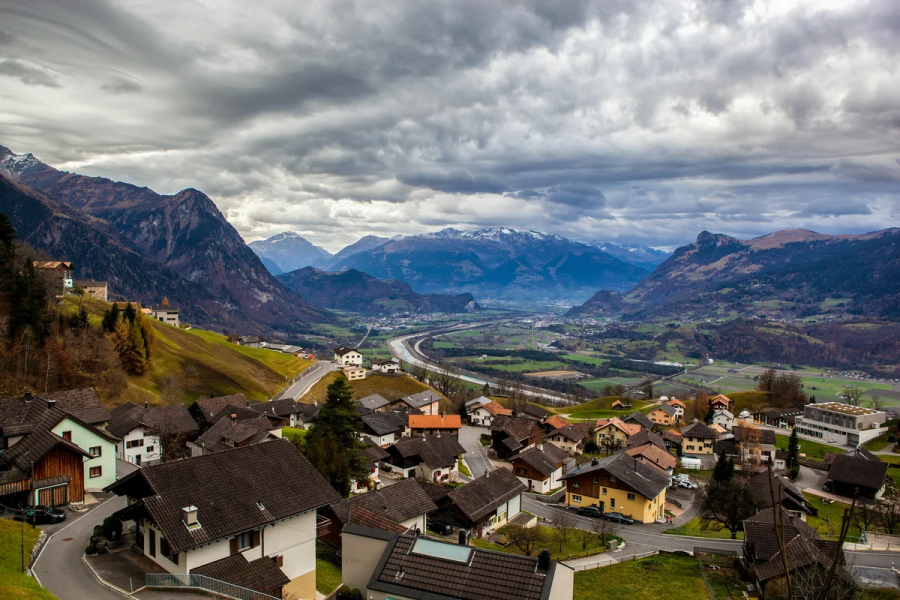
(826, 487)
(686, 483)
(832, 441)
(618, 518)
(44, 514)
(439, 528)
(590, 511)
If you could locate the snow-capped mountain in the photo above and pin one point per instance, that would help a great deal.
(634, 254)
(289, 251)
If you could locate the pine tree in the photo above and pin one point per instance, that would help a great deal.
(794, 455)
(111, 318)
(724, 469)
(137, 359)
(129, 313)
(486, 390)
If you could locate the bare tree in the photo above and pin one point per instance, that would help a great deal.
(611, 444)
(877, 402)
(418, 372)
(526, 539)
(765, 380)
(605, 530)
(564, 523)
(170, 389)
(584, 537)
(890, 516)
(866, 514)
(854, 396)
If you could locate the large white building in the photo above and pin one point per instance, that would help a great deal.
(843, 423)
(348, 357)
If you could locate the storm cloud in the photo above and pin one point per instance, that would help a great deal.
(611, 119)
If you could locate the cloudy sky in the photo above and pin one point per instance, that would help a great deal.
(617, 120)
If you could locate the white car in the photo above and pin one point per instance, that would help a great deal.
(831, 441)
(685, 483)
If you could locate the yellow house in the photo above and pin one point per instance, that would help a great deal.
(614, 428)
(664, 414)
(622, 484)
(697, 438)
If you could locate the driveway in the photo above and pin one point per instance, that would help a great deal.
(476, 455)
(59, 567)
(306, 380)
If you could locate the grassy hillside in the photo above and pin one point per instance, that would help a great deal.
(13, 583)
(388, 387)
(601, 408)
(747, 400)
(205, 363)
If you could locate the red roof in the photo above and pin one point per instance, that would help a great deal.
(676, 402)
(435, 422)
(496, 409)
(557, 422)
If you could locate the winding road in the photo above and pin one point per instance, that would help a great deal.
(306, 380)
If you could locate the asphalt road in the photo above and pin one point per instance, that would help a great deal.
(59, 567)
(476, 456)
(307, 379)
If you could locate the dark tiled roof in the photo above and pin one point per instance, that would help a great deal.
(405, 572)
(279, 408)
(228, 489)
(210, 406)
(39, 442)
(374, 454)
(570, 432)
(345, 350)
(481, 497)
(366, 518)
(669, 410)
(698, 430)
(759, 531)
(383, 423)
(244, 415)
(752, 434)
(308, 412)
(639, 418)
(830, 456)
(174, 419)
(372, 402)
(857, 471)
(83, 403)
(224, 434)
(398, 502)
(421, 399)
(545, 461)
(727, 445)
(645, 479)
(671, 435)
(262, 575)
(785, 492)
(436, 492)
(533, 410)
(645, 437)
(436, 451)
(517, 428)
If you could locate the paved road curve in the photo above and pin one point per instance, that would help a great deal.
(59, 567)
(307, 379)
(476, 456)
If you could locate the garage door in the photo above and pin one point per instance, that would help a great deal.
(54, 496)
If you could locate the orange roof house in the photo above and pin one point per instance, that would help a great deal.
(676, 402)
(431, 424)
(495, 408)
(720, 401)
(618, 405)
(556, 422)
(615, 428)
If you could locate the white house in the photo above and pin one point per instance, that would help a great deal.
(141, 430)
(348, 357)
(482, 414)
(166, 314)
(723, 419)
(540, 468)
(386, 365)
(431, 458)
(244, 514)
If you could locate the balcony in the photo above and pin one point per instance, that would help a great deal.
(323, 526)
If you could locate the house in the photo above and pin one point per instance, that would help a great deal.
(511, 435)
(487, 502)
(373, 402)
(60, 268)
(540, 468)
(671, 438)
(98, 290)
(404, 503)
(697, 439)
(255, 502)
(534, 411)
(619, 405)
(354, 373)
(262, 420)
(229, 433)
(75, 415)
(783, 418)
(679, 407)
(432, 424)
(286, 409)
(204, 409)
(386, 365)
(144, 431)
(744, 418)
(646, 437)
(664, 415)
(403, 566)
(723, 419)
(482, 415)
(787, 495)
(718, 429)
(804, 551)
(307, 414)
(166, 314)
(843, 423)
(654, 455)
(553, 422)
(427, 402)
(757, 446)
(850, 472)
(250, 341)
(569, 439)
(619, 483)
(433, 458)
(348, 357)
(384, 428)
(375, 455)
(638, 418)
(614, 432)
(720, 402)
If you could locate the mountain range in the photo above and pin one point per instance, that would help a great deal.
(149, 245)
(355, 291)
(289, 251)
(790, 273)
(634, 254)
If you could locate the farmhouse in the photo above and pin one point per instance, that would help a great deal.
(619, 483)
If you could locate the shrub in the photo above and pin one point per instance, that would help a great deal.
(591, 447)
(795, 472)
(90, 550)
(355, 593)
(98, 531)
(112, 528)
(102, 550)
(892, 438)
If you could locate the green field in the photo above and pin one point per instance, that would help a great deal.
(656, 577)
(390, 388)
(811, 449)
(570, 548)
(14, 583)
(699, 528)
(829, 513)
(328, 569)
(591, 360)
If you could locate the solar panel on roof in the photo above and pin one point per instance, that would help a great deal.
(441, 550)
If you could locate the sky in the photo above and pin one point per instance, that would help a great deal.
(640, 122)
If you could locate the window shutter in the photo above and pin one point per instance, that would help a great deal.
(255, 539)
(234, 546)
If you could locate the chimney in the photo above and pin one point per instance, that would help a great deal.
(51, 404)
(248, 404)
(28, 397)
(463, 538)
(233, 419)
(540, 447)
(594, 462)
(146, 405)
(189, 514)
(487, 473)
(544, 560)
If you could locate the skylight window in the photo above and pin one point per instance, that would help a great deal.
(426, 547)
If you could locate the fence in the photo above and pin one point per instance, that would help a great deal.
(613, 561)
(221, 588)
(699, 552)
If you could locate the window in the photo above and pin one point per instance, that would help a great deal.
(245, 540)
(612, 502)
(134, 443)
(95, 451)
(631, 496)
(166, 550)
(576, 498)
(604, 491)
(152, 542)
(521, 471)
(596, 480)
(67, 435)
(96, 472)
(576, 485)
(149, 448)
